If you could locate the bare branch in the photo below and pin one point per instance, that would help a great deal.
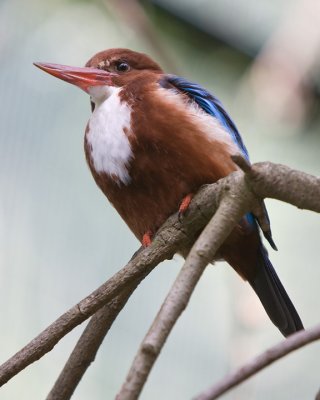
(241, 162)
(171, 236)
(174, 304)
(228, 214)
(232, 207)
(273, 354)
(87, 347)
(280, 182)
(264, 179)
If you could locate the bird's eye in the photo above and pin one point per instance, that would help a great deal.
(122, 67)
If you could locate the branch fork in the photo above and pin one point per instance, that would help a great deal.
(223, 203)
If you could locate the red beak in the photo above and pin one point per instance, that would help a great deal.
(81, 77)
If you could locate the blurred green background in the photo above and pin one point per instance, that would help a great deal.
(60, 239)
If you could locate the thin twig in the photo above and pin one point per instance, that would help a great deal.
(291, 186)
(268, 357)
(241, 162)
(87, 347)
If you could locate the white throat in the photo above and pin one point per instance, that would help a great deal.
(109, 127)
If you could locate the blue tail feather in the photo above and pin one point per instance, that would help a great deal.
(274, 297)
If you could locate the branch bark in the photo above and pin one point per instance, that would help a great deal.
(87, 347)
(228, 214)
(271, 355)
(263, 179)
(233, 205)
(171, 236)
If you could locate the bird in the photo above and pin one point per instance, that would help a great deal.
(152, 140)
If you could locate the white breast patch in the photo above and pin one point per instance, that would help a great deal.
(109, 126)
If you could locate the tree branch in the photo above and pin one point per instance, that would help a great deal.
(264, 179)
(271, 355)
(228, 214)
(171, 236)
(233, 205)
(87, 347)
(280, 182)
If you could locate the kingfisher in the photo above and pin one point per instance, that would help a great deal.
(153, 139)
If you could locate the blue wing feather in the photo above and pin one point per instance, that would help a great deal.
(211, 105)
(266, 282)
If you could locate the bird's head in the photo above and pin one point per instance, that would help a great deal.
(109, 68)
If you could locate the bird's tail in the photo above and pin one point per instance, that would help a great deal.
(274, 298)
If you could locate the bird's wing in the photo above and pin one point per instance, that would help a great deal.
(210, 104)
(265, 281)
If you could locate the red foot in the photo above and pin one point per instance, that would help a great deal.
(147, 239)
(185, 204)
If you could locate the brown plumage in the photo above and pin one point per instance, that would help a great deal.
(152, 140)
(172, 157)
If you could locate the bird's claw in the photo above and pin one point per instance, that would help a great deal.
(147, 239)
(184, 205)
